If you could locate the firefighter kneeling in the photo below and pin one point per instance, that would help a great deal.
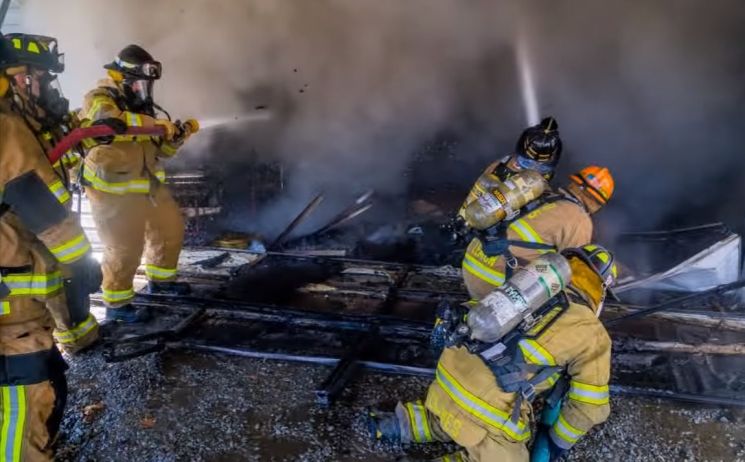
(534, 336)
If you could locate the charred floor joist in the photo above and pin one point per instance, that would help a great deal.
(352, 314)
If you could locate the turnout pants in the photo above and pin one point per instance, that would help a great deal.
(419, 425)
(33, 390)
(129, 224)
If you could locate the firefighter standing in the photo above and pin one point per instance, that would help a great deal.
(467, 403)
(554, 221)
(49, 119)
(33, 214)
(124, 180)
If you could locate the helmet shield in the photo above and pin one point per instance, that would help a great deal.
(51, 99)
(139, 94)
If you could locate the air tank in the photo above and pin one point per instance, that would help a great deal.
(496, 200)
(524, 293)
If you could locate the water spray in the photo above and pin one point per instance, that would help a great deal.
(235, 120)
(527, 83)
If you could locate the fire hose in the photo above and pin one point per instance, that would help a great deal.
(77, 135)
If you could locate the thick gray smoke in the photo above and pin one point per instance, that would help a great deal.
(651, 89)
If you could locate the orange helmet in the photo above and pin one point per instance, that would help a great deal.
(597, 181)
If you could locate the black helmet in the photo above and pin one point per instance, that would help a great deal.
(541, 143)
(38, 51)
(135, 63)
(7, 54)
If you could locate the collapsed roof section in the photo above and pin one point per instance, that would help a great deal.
(681, 260)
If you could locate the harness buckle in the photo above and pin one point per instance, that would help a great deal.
(528, 392)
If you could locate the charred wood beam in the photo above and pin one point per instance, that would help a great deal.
(709, 320)
(296, 221)
(721, 289)
(387, 325)
(346, 368)
(397, 369)
(684, 348)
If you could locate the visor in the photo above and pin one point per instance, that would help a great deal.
(142, 89)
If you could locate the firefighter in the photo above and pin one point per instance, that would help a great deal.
(538, 148)
(566, 359)
(554, 221)
(33, 214)
(124, 181)
(49, 119)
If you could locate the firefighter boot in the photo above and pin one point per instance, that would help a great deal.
(168, 288)
(127, 314)
(383, 426)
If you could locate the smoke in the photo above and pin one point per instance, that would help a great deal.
(651, 89)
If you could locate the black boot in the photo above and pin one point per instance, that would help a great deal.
(127, 314)
(383, 426)
(168, 288)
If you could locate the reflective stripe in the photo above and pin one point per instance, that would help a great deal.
(527, 233)
(481, 271)
(168, 149)
(59, 191)
(479, 409)
(77, 332)
(132, 186)
(564, 434)
(419, 423)
(33, 284)
(590, 394)
(535, 353)
(118, 295)
(4, 308)
(69, 159)
(457, 457)
(72, 249)
(155, 272)
(14, 420)
(161, 175)
(96, 105)
(133, 119)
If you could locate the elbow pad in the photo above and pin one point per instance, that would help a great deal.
(34, 203)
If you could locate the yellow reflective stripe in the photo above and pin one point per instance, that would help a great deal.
(69, 159)
(481, 271)
(96, 105)
(77, 332)
(590, 394)
(161, 175)
(155, 272)
(168, 149)
(72, 249)
(478, 408)
(14, 421)
(527, 233)
(132, 186)
(535, 353)
(564, 434)
(457, 457)
(4, 308)
(117, 295)
(33, 284)
(418, 422)
(59, 191)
